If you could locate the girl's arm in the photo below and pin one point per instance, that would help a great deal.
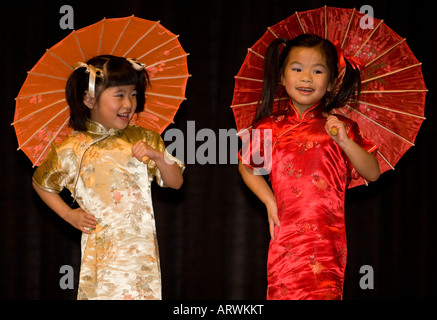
(364, 162)
(170, 172)
(258, 185)
(76, 217)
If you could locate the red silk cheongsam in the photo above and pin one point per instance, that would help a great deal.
(309, 174)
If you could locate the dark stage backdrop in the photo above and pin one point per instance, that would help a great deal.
(213, 232)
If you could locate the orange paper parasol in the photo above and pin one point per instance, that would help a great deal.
(391, 106)
(42, 113)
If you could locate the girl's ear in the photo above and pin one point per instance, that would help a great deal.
(283, 80)
(88, 101)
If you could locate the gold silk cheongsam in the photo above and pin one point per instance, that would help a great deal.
(120, 258)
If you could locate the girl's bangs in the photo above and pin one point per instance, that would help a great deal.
(121, 73)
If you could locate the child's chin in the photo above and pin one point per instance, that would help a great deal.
(122, 127)
(122, 124)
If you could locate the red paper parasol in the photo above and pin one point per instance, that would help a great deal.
(391, 107)
(42, 113)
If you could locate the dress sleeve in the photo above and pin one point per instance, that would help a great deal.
(356, 135)
(256, 150)
(155, 141)
(49, 175)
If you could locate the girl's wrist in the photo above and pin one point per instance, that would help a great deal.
(157, 156)
(346, 144)
(271, 201)
(66, 215)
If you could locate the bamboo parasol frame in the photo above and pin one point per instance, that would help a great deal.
(390, 110)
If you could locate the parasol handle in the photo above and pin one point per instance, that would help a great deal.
(334, 131)
(150, 163)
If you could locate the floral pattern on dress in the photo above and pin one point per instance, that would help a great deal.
(120, 258)
(290, 170)
(306, 145)
(310, 174)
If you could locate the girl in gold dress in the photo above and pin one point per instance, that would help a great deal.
(108, 166)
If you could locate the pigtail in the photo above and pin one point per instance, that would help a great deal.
(349, 87)
(75, 90)
(275, 55)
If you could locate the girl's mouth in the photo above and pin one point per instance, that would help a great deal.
(305, 90)
(123, 116)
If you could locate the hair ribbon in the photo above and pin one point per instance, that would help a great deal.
(94, 72)
(354, 61)
(138, 66)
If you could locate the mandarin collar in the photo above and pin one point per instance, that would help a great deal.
(314, 111)
(98, 129)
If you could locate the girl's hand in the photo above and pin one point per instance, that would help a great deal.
(170, 172)
(364, 162)
(76, 217)
(258, 185)
(341, 136)
(81, 220)
(272, 212)
(143, 152)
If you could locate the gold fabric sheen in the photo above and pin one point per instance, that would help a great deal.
(120, 258)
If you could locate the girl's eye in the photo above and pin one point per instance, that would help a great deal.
(318, 71)
(297, 69)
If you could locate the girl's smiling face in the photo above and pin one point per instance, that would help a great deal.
(306, 77)
(115, 106)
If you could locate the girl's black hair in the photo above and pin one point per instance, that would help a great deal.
(274, 67)
(117, 71)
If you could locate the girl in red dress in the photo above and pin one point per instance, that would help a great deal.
(310, 167)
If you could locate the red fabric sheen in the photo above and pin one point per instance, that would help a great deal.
(309, 176)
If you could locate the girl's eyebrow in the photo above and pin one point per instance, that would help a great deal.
(117, 88)
(314, 65)
(320, 65)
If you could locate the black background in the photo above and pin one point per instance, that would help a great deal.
(213, 232)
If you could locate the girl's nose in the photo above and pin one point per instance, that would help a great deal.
(128, 103)
(306, 77)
